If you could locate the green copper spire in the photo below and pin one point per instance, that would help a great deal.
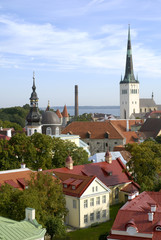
(129, 73)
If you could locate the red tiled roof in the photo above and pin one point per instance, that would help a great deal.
(116, 176)
(130, 188)
(120, 237)
(15, 178)
(80, 182)
(138, 209)
(97, 130)
(59, 113)
(65, 112)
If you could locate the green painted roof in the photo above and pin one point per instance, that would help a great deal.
(24, 230)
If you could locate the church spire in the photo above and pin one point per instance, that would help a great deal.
(33, 87)
(129, 73)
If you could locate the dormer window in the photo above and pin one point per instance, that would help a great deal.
(73, 187)
(106, 135)
(65, 185)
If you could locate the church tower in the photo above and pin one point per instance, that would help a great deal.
(34, 117)
(129, 87)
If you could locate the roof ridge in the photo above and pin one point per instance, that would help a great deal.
(116, 129)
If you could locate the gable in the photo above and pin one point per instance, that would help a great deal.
(96, 187)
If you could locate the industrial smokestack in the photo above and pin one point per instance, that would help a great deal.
(76, 101)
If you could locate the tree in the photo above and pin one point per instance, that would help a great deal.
(145, 164)
(45, 194)
(61, 149)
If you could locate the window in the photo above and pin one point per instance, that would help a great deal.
(117, 193)
(92, 189)
(29, 132)
(35, 131)
(97, 200)
(104, 199)
(48, 131)
(57, 131)
(98, 142)
(73, 187)
(65, 185)
(98, 215)
(92, 217)
(85, 203)
(124, 91)
(92, 202)
(115, 142)
(74, 204)
(96, 188)
(85, 218)
(104, 213)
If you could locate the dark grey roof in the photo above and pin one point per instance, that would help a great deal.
(49, 117)
(147, 102)
(151, 125)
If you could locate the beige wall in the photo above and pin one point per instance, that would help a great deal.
(76, 215)
(121, 195)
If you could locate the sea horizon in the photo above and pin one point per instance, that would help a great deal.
(114, 110)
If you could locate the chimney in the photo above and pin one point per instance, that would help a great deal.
(69, 163)
(150, 216)
(76, 101)
(127, 125)
(131, 196)
(30, 214)
(108, 157)
(23, 165)
(39, 169)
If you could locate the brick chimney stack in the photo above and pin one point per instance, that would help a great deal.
(76, 101)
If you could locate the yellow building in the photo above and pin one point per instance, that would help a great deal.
(87, 200)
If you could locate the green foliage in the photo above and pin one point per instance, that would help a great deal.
(145, 164)
(44, 194)
(38, 151)
(158, 139)
(83, 117)
(15, 115)
(7, 124)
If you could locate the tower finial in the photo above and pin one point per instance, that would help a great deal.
(152, 96)
(34, 87)
(48, 106)
(128, 31)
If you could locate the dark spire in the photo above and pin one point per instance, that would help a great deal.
(34, 97)
(48, 106)
(34, 117)
(129, 73)
(152, 96)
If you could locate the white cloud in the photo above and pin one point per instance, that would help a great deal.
(44, 46)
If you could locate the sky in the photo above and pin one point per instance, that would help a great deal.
(77, 42)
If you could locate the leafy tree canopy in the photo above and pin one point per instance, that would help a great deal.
(39, 151)
(44, 194)
(145, 164)
(83, 117)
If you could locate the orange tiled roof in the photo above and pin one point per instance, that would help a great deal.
(59, 113)
(65, 112)
(97, 130)
(4, 137)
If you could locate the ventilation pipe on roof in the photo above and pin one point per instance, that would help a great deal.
(23, 165)
(127, 125)
(150, 216)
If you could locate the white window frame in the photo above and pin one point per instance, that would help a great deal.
(97, 200)
(91, 217)
(86, 218)
(91, 202)
(86, 203)
(98, 215)
(104, 213)
(104, 199)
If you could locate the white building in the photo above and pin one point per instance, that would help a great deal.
(129, 87)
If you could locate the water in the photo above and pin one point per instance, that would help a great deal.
(114, 110)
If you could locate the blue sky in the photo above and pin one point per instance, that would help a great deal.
(69, 42)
